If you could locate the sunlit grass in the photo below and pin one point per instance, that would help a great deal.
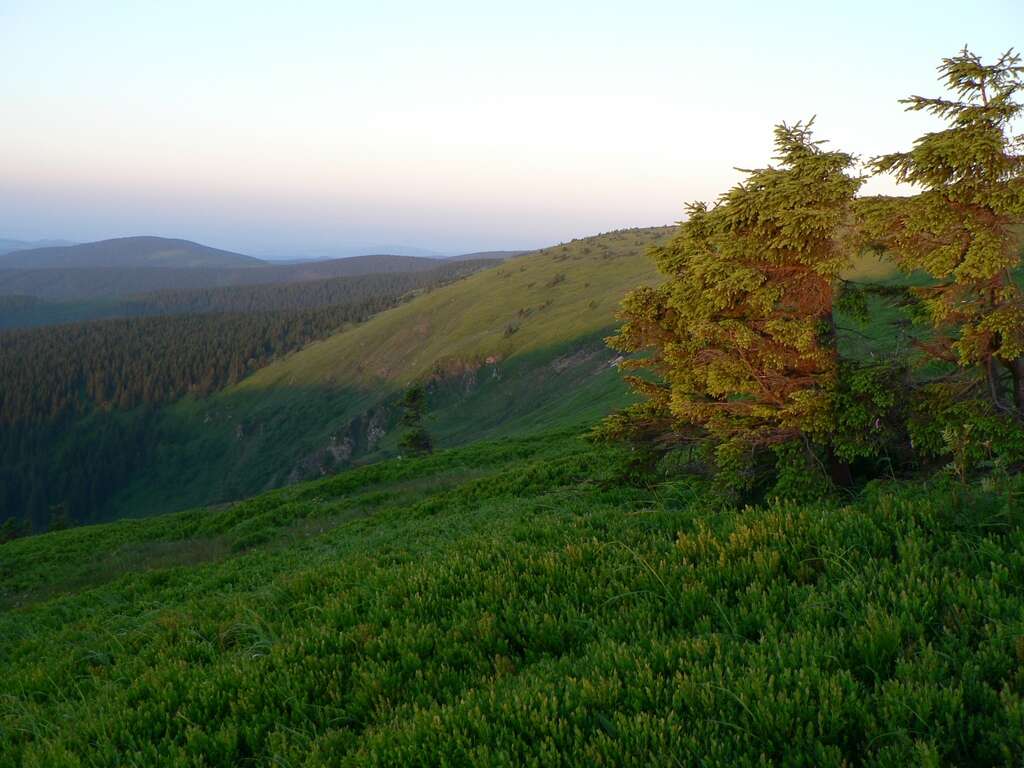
(528, 303)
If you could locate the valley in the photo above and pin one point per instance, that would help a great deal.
(512, 348)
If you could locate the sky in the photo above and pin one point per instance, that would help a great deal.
(289, 129)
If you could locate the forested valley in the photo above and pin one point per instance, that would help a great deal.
(77, 399)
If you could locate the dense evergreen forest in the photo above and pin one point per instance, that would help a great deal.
(304, 295)
(77, 400)
(20, 311)
(87, 283)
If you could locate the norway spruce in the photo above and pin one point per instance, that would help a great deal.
(959, 230)
(741, 333)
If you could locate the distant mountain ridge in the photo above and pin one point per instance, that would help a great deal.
(145, 251)
(346, 251)
(8, 245)
(123, 266)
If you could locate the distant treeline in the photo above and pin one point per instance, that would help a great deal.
(64, 370)
(28, 311)
(91, 283)
(213, 339)
(304, 295)
(18, 302)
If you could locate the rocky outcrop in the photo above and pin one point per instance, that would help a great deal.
(361, 435)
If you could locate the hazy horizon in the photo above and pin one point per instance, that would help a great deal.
(340, 249)
(294, 130)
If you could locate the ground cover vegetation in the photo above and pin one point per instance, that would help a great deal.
(522, 602)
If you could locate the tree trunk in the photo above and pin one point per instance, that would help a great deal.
(995, 386)
(1016, 368)
(839, 471)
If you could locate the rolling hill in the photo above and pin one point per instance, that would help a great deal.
(540, 301)
(543, 299)
(9, 246)
(128, 252)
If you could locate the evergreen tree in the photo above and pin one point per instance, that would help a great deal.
(415, 440)
(59, 518)
(12, 528)
(959, 229)
(741, 334)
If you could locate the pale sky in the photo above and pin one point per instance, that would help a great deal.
(281, 128)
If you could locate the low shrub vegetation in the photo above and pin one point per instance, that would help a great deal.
(523, 602)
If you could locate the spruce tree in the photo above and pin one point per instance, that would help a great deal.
(741, 336)
(959, 229)
(415, 440)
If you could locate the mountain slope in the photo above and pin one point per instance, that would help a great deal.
(128, 252)
(535, 301)
(507, 351)
(541, 300)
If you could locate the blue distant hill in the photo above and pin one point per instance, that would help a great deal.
(8, 245)
(127, 252)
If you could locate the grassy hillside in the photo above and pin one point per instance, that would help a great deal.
(240, 442)
(531, 303)
(535, 301)
(522, 602)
